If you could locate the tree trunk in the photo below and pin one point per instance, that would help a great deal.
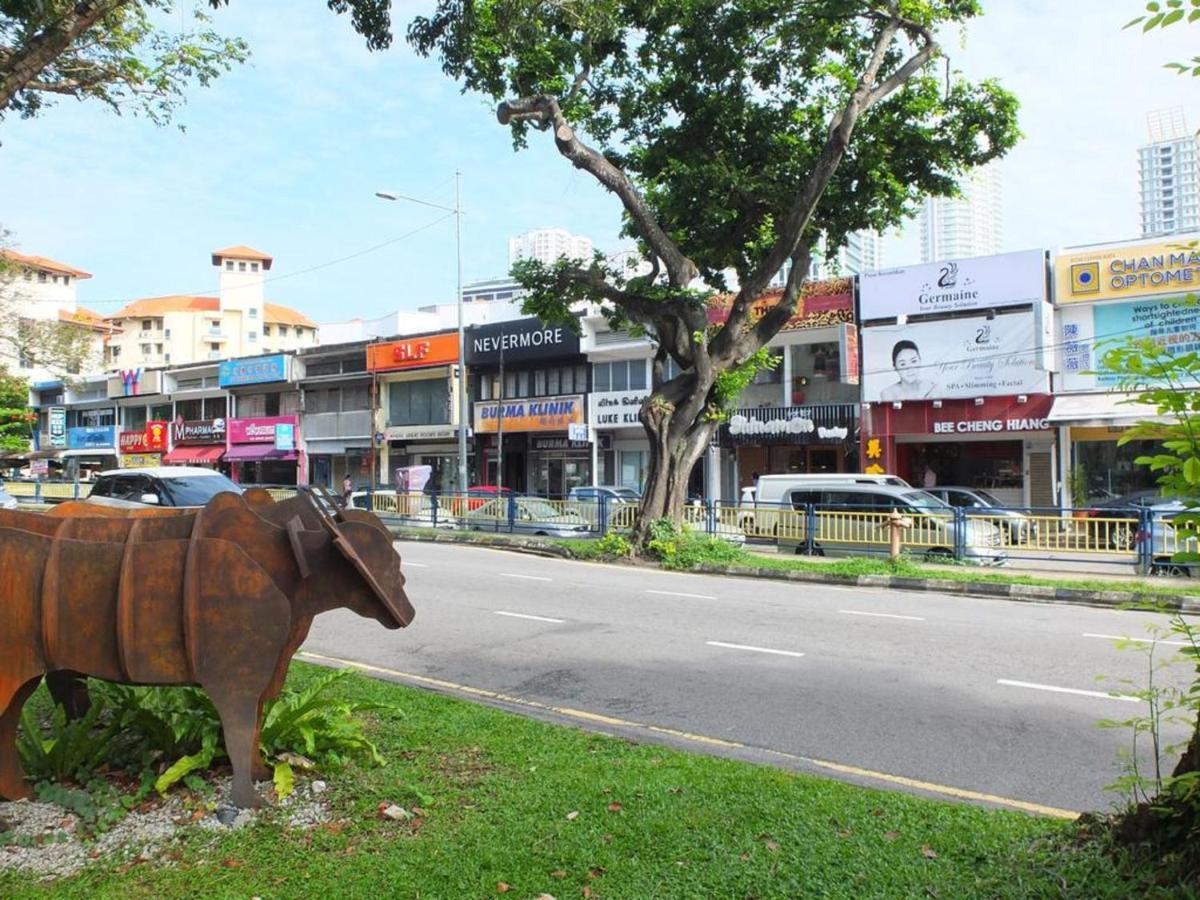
(1191, 756)
(676, 446)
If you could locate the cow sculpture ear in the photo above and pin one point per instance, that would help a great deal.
(294, 530)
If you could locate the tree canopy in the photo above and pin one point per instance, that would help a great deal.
(734, 134)
(127, 53)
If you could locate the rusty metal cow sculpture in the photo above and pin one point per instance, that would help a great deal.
(220, 597)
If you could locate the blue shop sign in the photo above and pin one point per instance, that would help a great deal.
(91, 437)
(257, 370)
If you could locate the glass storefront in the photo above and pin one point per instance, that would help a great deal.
(552, 473)
(991, 465)
(816, 375)
(1108, 468)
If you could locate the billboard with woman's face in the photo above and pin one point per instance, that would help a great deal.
(969, 357)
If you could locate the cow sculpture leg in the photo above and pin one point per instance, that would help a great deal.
(239, 711)
(70, 691)
(13, 785)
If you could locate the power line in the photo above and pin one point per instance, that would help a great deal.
(285, 275)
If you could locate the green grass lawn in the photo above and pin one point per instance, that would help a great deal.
(515, 807)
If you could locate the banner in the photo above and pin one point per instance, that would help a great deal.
(533, 414)
(1174, 328)
(821, 303)
(1127, 271)
(981, 282)
(971, 357)
(257, 431)
(198, 431)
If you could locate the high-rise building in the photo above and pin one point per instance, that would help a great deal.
(548, 245)
(971, 224)
(861, 252)
(1169, 175)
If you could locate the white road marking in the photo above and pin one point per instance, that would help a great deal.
(526, 577)
(859, 612)
(417, 565)
(514, 615)
(755, 649)
(1062, 690)
(1119, 637)
(681, 594)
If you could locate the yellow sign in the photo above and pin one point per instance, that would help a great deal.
(1128, 270)
(140, 460)
(532, 414)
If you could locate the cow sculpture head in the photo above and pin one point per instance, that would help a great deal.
(366, 576)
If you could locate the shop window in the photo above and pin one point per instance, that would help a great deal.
(161, 413)
(252, 406)
(421, 402)
(773, 375)
(289, 403)
(816, 375)
(271, 404)
(553, 381)
(215, 408)
(190, 409)
(633, 468)
(539, 383)
(620, 376)
(522, 384)
(1109, 470)
(135, 418)
(356, 397)
(601, 377)
(510, 384)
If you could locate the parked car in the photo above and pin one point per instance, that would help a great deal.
(613, 493)
(979, 504)
(769, 496)
(531, 515)
(179, 486)
(850, 520)
(478, 494)
(1120, 516)
(7, 500)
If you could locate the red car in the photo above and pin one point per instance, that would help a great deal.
(479, 494)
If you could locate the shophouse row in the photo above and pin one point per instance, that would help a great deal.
(984, 372)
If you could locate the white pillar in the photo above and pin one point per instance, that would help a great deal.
(712, 472)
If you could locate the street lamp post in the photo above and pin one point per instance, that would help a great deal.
(462, 340)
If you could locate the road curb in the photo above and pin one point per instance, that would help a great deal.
(1031, 593)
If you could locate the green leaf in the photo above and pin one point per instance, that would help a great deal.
(190, 763)
(1191, 470)
(1172, 17)
(284, 780)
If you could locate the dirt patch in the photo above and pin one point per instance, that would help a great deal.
(465, 766)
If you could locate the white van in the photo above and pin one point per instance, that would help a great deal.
(757, 514)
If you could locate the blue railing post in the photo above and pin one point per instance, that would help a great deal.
(433, 507)
(602, 516)
(710, 517)
(810, 528)
(960, 533)
(37, 491)
(512, 514)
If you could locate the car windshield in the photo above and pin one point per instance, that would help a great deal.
(987, 498)
(197, 490)
(925, 501)
(540, 509)
(627, 494)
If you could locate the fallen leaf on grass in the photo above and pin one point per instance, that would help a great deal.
(614, 807)
(845, 833)
(928, 852)
(744, 857)
(231, 864)
(587, 891)
(596, 872)
(502, 887)
(573, 815)
(877, 813)
(558, 873)
(772, 846)
(890, 835)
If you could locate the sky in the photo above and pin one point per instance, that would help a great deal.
(286, 153)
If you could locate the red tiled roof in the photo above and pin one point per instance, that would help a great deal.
(241, 251)
(42, 264)
(273, 313)
(285, 315)
(84, 317)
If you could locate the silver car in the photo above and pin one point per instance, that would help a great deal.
(179, 486)
(7, 500)
(530, 515)
(979, 504)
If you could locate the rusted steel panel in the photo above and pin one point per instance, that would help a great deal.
(221, 597)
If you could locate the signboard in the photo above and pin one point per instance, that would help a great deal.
(578, 432)
(996, 415)
(57, 423)
(821, 303)
(819, 424)
(520, 340)
(1173, 327)
(413, 353)
(285, 437)
(848, 348)
(616, 409)
(419, 433)
(140, 460)
(256, 370)
(1126, 271)
(955, 286)
(134, 383)
(151, 439)
(91, 437)
(970, 357)
(198, 431)
(257, 431)
(558, 443)
(533, 414)
(39, 467)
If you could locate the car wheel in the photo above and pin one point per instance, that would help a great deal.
(1167, 570)
(817, 550)
(1122, 538)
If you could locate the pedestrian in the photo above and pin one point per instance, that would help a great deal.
(347, 489)
(930, 477)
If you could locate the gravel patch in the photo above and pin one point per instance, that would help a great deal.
(43, 839)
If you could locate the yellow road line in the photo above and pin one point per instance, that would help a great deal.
(582, 715)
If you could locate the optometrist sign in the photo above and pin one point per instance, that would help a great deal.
(1126, 271)
(968, 357)
(954, 286)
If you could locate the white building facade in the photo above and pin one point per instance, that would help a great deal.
(1169, 176)
(548, 245)
(968, 225)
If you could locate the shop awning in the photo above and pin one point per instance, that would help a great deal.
(97, 453)
(1116, 408)
(185, 455)
(41, 454)
(256, 452)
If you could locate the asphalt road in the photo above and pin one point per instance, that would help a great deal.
(966, 696)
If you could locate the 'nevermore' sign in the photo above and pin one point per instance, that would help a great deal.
(524, 339)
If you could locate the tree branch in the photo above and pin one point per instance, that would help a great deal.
(546, 112)
(24, 64)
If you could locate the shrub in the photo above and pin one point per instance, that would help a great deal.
(613, 546)
(685, 548)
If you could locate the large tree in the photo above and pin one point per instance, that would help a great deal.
(734, 134)
(129, 54)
